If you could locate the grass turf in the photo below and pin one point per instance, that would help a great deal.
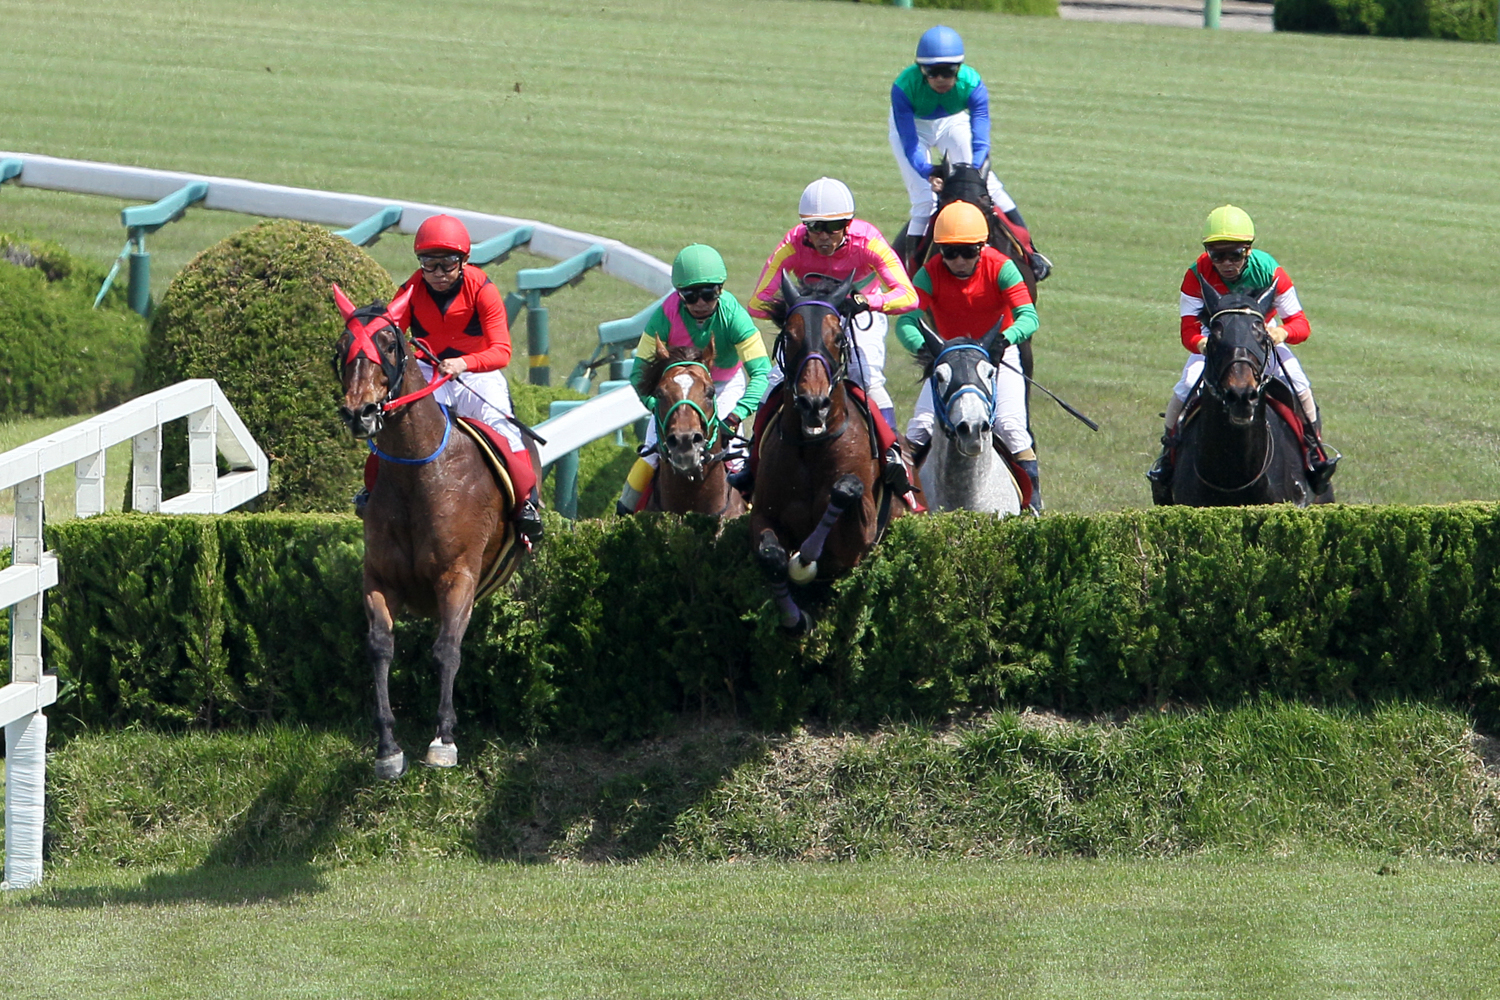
(1365, 163)
(1291, 928)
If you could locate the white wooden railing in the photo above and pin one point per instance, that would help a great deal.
(213, 429)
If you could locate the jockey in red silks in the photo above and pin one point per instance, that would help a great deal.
(831, 242)
(457, 312)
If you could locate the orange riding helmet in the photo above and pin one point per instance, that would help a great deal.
(960, 222)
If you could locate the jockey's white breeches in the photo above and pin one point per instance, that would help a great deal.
(1007, 414)
(483, 396)
(867, 361)
(948, 136)
(1285, 367)
(727, 396)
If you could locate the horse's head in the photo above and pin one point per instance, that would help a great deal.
(370, 360)
(811, 348)
(687, 428)
(1238, 352)
(961, 376)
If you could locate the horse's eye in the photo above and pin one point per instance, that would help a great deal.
(985, 370)
(942, 373)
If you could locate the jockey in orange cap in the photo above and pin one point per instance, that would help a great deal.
(457, 312)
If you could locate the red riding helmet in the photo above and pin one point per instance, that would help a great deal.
(442, 232)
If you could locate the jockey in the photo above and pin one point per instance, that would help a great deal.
(1229, 264)
(964, 294)
(830, 241)
(939, 102)
(456, 310)
(697, 312)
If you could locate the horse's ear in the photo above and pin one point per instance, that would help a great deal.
(989, 340)
(400, 307)
(708, 353)
(661, 350)
(1266, 301)
(342, 301)
(841, 293)
(930, 338)
(1211, 297)
(789, 292)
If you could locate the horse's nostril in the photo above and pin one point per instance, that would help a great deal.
(697, 438)
(964, 427)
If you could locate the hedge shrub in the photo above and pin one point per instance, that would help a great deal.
(255, 312)
(617, 627)
(1464, 20)
(60, 355)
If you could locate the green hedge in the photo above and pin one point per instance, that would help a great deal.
(61, 356)
(620, 626)
(1464, 20)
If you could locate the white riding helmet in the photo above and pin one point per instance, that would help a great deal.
(825, 199)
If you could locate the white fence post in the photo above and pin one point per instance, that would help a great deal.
(26, 737)
(146, 472)
(203, 470)
(88, 489)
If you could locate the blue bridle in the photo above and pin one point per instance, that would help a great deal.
(942, 405)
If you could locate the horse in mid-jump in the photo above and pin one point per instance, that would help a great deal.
(438, 529)
(1241, 445)
(689, 436)
(964, 469)
(818, 492)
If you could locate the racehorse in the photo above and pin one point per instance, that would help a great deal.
(964, 470)
(818, 491)
(1232, 449)
(689, 436)
(438, 530)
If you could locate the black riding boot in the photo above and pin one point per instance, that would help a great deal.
(1320, 467)
(1041, 266)
(743, 481)
(1161, 471)
(893, 470)
(528, 518)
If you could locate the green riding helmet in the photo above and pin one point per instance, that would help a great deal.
(1228, 224)
(699, 264)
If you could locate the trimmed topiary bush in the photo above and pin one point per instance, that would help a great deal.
(255, 312)
(60, 355)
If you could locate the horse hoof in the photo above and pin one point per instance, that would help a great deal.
(440, 754)
(392, 767)
(801, 626)
(799, 572)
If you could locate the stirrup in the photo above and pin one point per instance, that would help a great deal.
(1041, 265)
(893, 470)
(1320, 469)
(529, 522)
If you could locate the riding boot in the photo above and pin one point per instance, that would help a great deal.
(916, 452)
(893, 470)
(1320, 467)
(361, 500)
(528, 518)
(1033, 471)
(1161, 471)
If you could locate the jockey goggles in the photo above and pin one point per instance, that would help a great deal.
(1228, 255)
(940, 70)
(827, 225)
(953, 251)
(700, 293)
(440, 263)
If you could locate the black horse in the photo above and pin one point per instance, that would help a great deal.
(1236, 448)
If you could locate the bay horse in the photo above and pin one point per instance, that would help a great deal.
(1236, 448)
(818, 492)
(964, 469)
(689, 436)
(438, 529)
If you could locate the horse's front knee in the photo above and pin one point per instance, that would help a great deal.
(846, 491)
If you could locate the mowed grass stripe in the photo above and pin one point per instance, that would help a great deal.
(1365, 162)
(1273, 929)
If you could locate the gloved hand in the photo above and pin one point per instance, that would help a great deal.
(856, 304)
(1278, 333)
(1202, 343)
(732, 422)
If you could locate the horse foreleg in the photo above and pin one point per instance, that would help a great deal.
(454, 608)
(846, 492)
(772, 559)
(380, 649)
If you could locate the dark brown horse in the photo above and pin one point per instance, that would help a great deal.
(689, 437)
(437, 521)
(818, 491)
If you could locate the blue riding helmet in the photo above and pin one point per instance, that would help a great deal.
(939, 45)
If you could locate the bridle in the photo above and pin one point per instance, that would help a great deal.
(808, 355)
(1212, 383)
(711, 424)
(364, 345)
(944, 403)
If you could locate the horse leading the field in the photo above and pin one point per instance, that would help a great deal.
(439, 523)
(819, 492)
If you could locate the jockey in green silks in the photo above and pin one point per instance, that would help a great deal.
(699, 310)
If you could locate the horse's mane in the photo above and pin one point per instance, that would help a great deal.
(821, 287)
(651, 373)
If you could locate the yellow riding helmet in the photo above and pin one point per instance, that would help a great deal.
(960, 222)
(1227, 224)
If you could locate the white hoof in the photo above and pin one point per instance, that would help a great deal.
(798, 571)
(392, 767)
(440, 754)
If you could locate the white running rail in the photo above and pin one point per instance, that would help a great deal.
(213, 429)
